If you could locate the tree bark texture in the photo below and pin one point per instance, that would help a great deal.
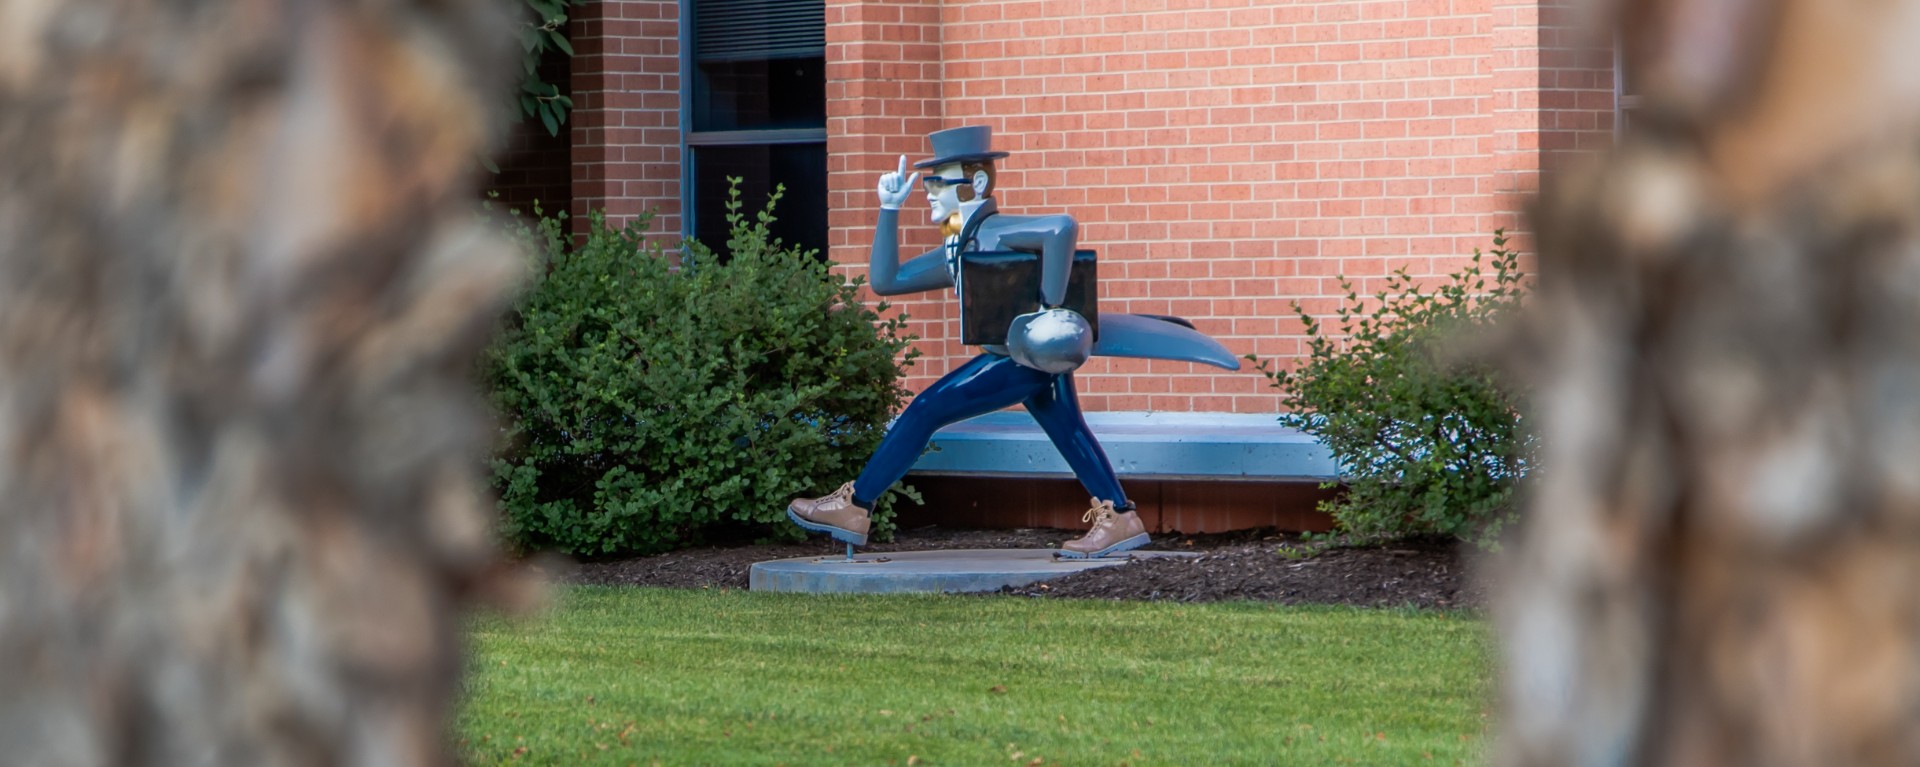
(1721, 565)
(241, 287)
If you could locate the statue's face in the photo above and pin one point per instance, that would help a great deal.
(944, 198)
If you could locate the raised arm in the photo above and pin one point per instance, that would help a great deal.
(1055, 237)
(885, 273)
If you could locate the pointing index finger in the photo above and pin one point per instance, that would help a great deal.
(903, 165)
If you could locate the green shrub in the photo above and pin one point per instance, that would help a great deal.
(1427, 443)
(650, 406)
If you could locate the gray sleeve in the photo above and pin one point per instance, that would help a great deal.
(888, 276)
(1055, 237)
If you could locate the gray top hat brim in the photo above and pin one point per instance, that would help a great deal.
(973, 157)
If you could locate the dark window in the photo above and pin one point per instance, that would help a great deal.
(758, 112)
(802, 211)
(760, 95)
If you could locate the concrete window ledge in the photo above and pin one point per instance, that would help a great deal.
(1171, 446)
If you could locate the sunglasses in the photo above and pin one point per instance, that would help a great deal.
(935, 183)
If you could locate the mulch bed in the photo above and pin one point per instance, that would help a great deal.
(1252, 565)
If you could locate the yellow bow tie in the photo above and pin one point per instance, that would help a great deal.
(951, 226)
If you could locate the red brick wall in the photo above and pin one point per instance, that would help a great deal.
(1515, 82)
(1553, 90)
(884, 84)
(1576, 80)
(626, 118)
(1226, 157)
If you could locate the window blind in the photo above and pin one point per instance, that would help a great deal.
(745, 30)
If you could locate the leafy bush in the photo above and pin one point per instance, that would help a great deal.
(648, 405)
(1427, 443)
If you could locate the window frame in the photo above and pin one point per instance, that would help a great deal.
(1624, 103)
(690, 140)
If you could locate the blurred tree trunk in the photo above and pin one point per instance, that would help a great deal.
(1722, 563)
(240, 290)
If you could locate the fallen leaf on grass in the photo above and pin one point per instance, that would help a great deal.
(998, 689)
(912, 760)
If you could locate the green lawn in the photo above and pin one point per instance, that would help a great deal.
(646, 676)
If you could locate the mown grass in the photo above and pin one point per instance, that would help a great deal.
(646, 676)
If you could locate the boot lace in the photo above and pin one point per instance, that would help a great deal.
(844, 495)
(1100, 515)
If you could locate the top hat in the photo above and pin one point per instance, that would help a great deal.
(968, 144)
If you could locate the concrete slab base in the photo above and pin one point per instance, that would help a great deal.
(902, 572)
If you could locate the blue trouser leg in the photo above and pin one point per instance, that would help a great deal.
(985, 384)
(1057, 408)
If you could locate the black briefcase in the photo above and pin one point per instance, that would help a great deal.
(997, 286)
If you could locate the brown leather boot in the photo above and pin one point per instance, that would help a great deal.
(1113, 532)
(834, 514)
